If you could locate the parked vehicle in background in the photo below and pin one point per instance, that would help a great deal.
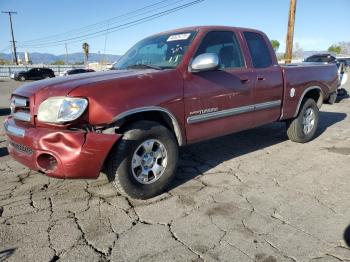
(33, 74)
(171, 89)
(322, 58)
(343, 75)
(76, 71)
(345, 61)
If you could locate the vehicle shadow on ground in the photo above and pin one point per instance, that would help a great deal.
(3, 151)
(347, 236)
(5, 254)
(5, 111)
(327, 119)
(216, 151)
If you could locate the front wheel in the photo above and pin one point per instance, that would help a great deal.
(22, 78)
(144, 161)
(303, 128)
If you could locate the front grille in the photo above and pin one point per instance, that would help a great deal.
(20, 109)
(24, 149)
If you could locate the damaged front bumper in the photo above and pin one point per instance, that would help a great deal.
(59, 153)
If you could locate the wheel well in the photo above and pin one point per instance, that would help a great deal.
(316, 95)
(157, 116)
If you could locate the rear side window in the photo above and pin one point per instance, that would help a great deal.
(225, 45)
(258, 49)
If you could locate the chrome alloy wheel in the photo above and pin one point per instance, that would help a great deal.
(149, 161)
(308, 120)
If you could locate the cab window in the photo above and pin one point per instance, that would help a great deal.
(225, 45)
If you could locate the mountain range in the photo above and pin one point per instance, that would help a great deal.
(45, 58)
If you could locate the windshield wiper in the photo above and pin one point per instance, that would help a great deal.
(138, 66)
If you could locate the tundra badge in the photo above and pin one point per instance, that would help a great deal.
(204, 111)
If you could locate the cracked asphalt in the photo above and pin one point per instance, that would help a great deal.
(251, 196)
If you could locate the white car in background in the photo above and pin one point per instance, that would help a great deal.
(76, 71)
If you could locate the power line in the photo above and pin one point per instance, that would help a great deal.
(105, 45)
(6, 48)
(103, 23)
(108, 24)
(13, 37)
(121, 26)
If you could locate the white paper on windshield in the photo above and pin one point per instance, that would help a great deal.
(178, 37)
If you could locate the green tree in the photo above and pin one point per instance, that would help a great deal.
(86, 51)
(58, 62)
(275, 44)
(335, 49)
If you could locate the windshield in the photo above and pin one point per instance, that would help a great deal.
(158, 52)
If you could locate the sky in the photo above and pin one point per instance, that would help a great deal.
(319, 23)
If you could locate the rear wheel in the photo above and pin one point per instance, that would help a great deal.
(303, 128)
(144, 161)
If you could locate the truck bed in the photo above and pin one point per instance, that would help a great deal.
(300, 77)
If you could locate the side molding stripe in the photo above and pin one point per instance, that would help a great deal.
(232, 112)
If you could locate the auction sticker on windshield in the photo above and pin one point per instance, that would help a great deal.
(178, 37)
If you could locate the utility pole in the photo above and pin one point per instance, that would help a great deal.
(13, 37)
(65, 44)
(104, 49)
(289, 41)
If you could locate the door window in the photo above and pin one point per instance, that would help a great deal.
(225, 45)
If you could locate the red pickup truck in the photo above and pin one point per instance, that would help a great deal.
(169, 90)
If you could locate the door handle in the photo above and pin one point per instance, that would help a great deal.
(261, 78)
(244, 80)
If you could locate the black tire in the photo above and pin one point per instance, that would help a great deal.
(118, 165)
(295, 126)
(332, 98)
(22, 78)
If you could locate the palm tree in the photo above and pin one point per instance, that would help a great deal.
(86, 51)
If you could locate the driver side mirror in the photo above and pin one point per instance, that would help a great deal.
(205, 62)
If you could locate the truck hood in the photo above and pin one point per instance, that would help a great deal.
(62, 86)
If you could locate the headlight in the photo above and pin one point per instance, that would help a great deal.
(61, 109)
